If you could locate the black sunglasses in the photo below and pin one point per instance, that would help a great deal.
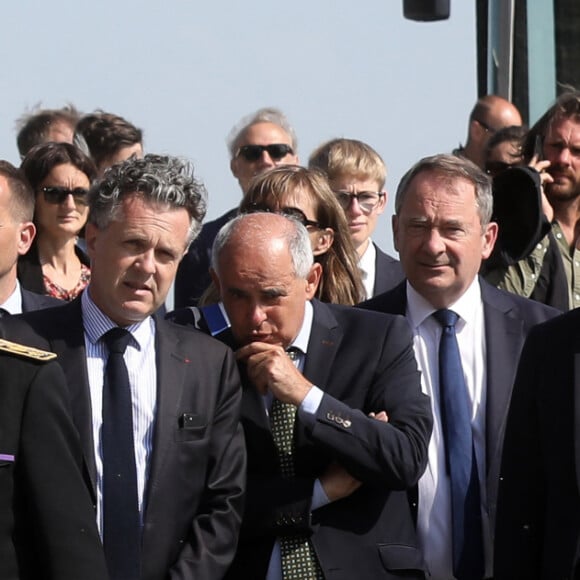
(276, 151)
(290, 212)
(58, 195)
(488, 128)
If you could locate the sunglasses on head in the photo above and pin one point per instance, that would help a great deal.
(276, 151)
(58, 195)
(290, 212)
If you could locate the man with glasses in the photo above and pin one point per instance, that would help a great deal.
(490, 114)
(357, 174)
(257, 143)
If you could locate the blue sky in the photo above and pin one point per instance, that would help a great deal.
(186, 72)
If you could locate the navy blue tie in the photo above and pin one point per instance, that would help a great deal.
(121, 526)
(461, 463)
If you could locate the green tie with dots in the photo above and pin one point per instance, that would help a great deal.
(299, 561)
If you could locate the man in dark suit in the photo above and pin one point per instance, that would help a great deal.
(16, 234)
(47, 523)
(442, 231)
(185, 469)
(339, 490)
(260, 141)
(538, 511)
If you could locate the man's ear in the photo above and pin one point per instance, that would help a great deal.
(312, 280)
(216, 281)
(91, 232)
(323, 242)
(395, 226)
(26, 233)
(382, 203)
(234, 167)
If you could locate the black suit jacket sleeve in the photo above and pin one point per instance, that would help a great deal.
(394, 453)
(213, 536)
(55, 533)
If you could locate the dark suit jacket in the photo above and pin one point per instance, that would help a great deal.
(193, 276)
(32, 301)
(538, 516)
(193, 497)
(508, 319)
(364, 362)
(47, 523)
(388, 272)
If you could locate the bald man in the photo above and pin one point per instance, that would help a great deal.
(490, 114)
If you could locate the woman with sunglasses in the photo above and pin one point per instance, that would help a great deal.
(60, 174)
(306, 195)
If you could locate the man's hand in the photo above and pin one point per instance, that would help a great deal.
(338, 483)
(270, 369)
(545, 177)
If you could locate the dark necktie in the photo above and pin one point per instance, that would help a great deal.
(460, 455)
(121, 526)
(299, 561)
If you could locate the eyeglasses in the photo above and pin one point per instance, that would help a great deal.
(58, 195)
(276, 151)
(367, 200)
(290, 212)
(488, 128)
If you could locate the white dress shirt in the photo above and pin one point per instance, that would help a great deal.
(434, 509)
(368, 265)
(13, 304)
(140, 360)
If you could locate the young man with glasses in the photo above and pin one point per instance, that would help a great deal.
(356, 174)
(259, 142)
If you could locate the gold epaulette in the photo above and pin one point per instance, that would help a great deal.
(26, 351)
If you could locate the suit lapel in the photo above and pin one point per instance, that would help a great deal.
(69, 344)
(171, 373)
(325, 338)
(504, 336)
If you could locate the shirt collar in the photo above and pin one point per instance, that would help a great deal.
(13, 304)
(367, 260)
(419, 309)
(96, 323)
(303, 336)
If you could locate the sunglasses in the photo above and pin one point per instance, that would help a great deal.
(488, 128)
(58, 195)
(276, 151)
(367, 200)
(289, 212)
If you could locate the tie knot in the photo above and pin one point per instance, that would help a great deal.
(446, 317)
(117, 339)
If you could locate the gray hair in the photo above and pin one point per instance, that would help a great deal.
(163, 180)
(265, 115)
(295, 235)
(452, 167)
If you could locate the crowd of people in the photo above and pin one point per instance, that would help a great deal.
(313, 408)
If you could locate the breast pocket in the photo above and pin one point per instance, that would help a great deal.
(191, 427)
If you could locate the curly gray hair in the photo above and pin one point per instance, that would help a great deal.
(163, 180)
